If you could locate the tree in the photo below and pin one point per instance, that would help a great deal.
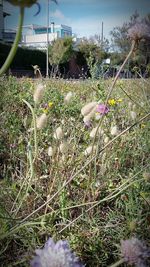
(60, 52)
(121, 44)
(93, 54)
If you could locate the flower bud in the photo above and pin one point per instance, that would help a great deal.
(22, 3)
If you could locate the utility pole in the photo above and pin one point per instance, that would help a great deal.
(47, 58)
(102, 34)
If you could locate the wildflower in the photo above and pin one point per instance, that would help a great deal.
(102, 109)
(38, 93)
(114, 130)
(50, 104)
(112, 102)
(45, 110)
(143, 125)
(119, 100)
(133, 115)
(51, 151)
(95, 131)
(138, 31)
(56, 254)
(87, 124)
(97, 116)
(64, 147)
(88, 108)
(134, 252)
(58, 133)
(89, 150)
(68, 97)
(41, 121)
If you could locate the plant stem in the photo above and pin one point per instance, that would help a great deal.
(117, 263)
(13, 50)
(35, 129)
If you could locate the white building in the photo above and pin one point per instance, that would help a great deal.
(36, 35)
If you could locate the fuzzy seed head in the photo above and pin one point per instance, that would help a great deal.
(88, 108)
(90, 115)
(41, 121)
(114, 130)
(64, 147)
(68, 98)
(58, 133)
(96, 131)
(89, 150)
(51, 151)
(133, 115)
(38, 93)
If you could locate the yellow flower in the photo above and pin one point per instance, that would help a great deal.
(119, 100)
(50, 104)
(45, 110)
(112, 102)
(143, 125)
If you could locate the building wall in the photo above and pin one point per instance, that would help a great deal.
(38, 38)
(1, 20)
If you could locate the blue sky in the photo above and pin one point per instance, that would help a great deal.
(84, 16)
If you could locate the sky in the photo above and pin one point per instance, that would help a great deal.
(84, 16)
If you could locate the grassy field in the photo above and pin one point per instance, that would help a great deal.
(56, 187)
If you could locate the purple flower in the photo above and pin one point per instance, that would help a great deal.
(88, 124)
(135, 252)
(55, 255)
(102, 109)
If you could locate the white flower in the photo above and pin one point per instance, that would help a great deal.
(38, 93)
(95, 131)
(41, 121)
(89, 150)
(64, 147)
(68, 97)
(114, 130)
(88, 108)
(97, 116)
(58, 133)
(51, 151)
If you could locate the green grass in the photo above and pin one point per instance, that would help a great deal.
(105, 199)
